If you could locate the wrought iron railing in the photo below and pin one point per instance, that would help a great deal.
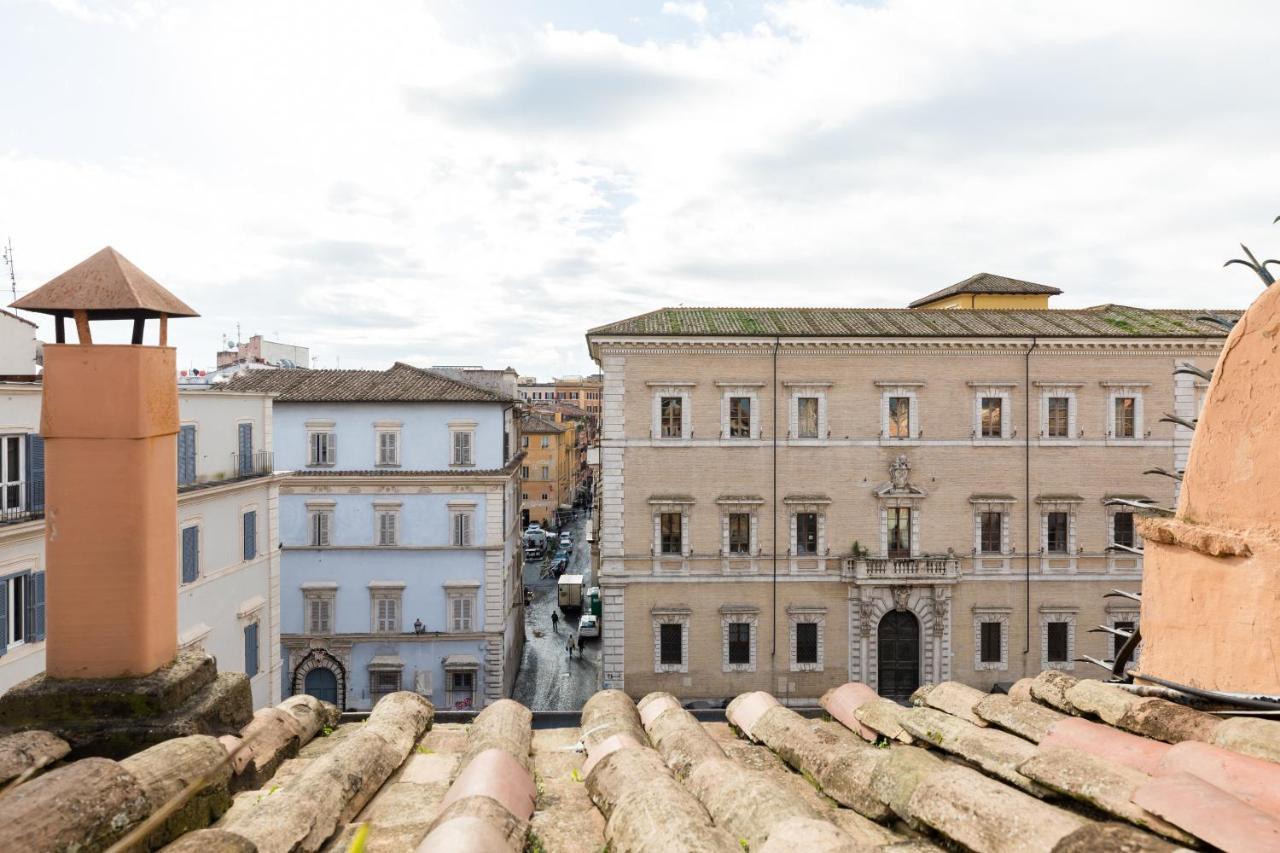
(256, 464)
(18, 515)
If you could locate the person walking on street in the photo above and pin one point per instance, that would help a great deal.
(568, 646)
(581, 643)
(555, 622)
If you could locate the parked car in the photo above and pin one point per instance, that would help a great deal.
(559, 565)
(589, 626)
(566, 540)
(533, 525)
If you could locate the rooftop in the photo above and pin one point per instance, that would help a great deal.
(400, 383)
(1103, 321)
(106, 284)
(985, 282)
(532, 423)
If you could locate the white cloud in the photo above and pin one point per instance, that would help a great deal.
(410, 185)
(696, 12)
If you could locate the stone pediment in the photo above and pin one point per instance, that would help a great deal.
(907, 490)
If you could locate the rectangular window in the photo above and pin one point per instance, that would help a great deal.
(672, 417)
(1059, 410)
(322, 448)
(806, 533)
(899, 417)
(186, 455)
(388, 448)
(462, 441)
(546, 441)
(251, 650)
(462, 687)
(546, 472)
(524, 441)
(739, 642)
(990, 642)
(383, 681)
(462, 530)
(1056, 533)
(190, 554)
(739, 417)
(1125, 417)
(807, 642)
(387, 528)
(11, 472)
(1122, 529)
(244, 449)
(992, 528)
(460, 612)
(319, 615)
(992, 417)
(672, 537)
(899, 531)
(250, 534)
(1120, 641)
(524, 472)
(807, 417)
(739, 533)
(14, 607)
(386, 618)
(320, 524)
(671, 644)
(1057, 632)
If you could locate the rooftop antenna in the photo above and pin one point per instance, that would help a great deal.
(8, 259)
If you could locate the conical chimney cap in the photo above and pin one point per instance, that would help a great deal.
(107, 286)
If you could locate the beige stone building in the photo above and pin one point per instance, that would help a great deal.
(935, 482)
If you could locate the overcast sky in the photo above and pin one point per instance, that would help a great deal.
(479, 182)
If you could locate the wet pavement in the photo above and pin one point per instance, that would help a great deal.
(549, 680)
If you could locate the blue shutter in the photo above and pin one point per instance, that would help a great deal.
(190, 554)
(35, 473)
(250, 534)
(251, 650)
(29, 599)
(186, 455)
(37, 595)
(4, 615)
(246, 450)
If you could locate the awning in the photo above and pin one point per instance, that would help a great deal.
(461, 662)
(386, 662)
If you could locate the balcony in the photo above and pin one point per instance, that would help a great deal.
(925, 569)
(260, 463)
(21, 515)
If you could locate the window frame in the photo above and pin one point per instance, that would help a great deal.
(390, 594)
(1001, 391)
(985, 616)
(671, 532)
(893, 522)
(1054, 616)
(247, 540)
(741, 533)
(462, 525)
(183, 526)
(1050, 535)
(386, 437)
(456, 597)
(750, 392)
(462, 447)
(806, 615)
(985, 546)
(1132, 535)
(325, 594)
(7, 483)
(322, 445)
(1117, 391)
(320, 523)
(732, 616)
(801, 549)
(677, 617)
(670, 388)
(741, 422)
(256, 625)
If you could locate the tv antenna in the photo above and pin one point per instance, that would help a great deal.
(8, 259)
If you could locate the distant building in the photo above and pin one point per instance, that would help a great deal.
(399, 527)
(533, 391)
(547, 468)
(258, 350)
(585, 392)
(19, 349)
(503, 381)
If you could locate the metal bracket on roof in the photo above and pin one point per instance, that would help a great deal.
(1260, 268)
(1172, 475)
(1148, 506)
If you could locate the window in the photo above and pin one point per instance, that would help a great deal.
(250, 543)
(899, 417)
(190, 553)
(546, 441)
(388, 522)
(899, 543)
(11, 472)
(807, 642)
(739, 533)
(989, 642)
(806, 533)
(386, 614)
(1057, 639)
(1122, 625)
(244, 449)
(671, 411)
(388, 447)
(739, 417)
(462, 689)
(1125, 409)
(384, 681)
(321, 523)
(807, 417)
(1059, 411)
(992, 532)
(1056, 533)
(1122, 529)
(320, 613)
(462, 447)
(739, 642)
(461, 612)
(672, 645)
(671, 539)
(524, 472)
(524, 441)
(461, 523)
(21, 609)
(546, 472)
(251, 654)
(323, 448)
(186, 455)
(992, 423)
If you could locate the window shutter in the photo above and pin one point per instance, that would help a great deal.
(332, 457)
(4, 615)
(313, 448)
(246, 449)
(251, 650)
(186, 455)
(190, 554)
(29, 599)
(250, 534)
(35, 473)
(466, 529)
(37, 595)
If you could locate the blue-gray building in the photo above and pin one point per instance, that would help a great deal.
(399, 527)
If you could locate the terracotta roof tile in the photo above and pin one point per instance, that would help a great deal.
(400, 383)
(985, 282)
(106, 284)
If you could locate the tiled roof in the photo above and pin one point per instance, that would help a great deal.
(1105, 321)
(985, 282)
(106, 284)
(400, 383)
(460, 471)
(534, 424)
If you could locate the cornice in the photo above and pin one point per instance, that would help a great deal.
(915, 346)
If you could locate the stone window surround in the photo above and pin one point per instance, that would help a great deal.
(993, 388)
(1069, 505)
(461, 589)
(816, 388)
(1125, 388)
(1059, 389)
(391, 590)
(449, 670)
(322, 425)
(1123, 613)
(671, 616)
(1112, 556)
(903, 388)
(992, 503)
(319, 591)
(801, 503)
(316, 507)
(745, 388)
(912, 503)
(672, 388)
(381, 508)
(982, 613)
(379, 428)
(745, 504)
(808, 615)
(731, 613)
(461, 508)
(456, 427)
(1058, 613)
(671, 503)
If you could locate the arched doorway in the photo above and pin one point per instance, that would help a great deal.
(322, 684)
(898, 644)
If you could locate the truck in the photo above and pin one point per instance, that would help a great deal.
(569, 592)
(535, 543)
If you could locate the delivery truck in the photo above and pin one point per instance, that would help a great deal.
(569, 592)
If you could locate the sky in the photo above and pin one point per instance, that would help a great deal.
(480, 182)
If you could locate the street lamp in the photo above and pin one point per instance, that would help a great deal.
(418, 627)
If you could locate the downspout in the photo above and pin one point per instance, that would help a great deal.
(1026, 497)
(773, 651)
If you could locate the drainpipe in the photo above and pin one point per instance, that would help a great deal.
(1026, 497)
(773, 651)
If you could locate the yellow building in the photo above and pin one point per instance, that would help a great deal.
(548, 477)
(985, 291)
(585, 392)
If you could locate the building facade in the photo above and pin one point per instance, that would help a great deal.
(585, 392)
(228, 565)
(399, 528)
(794, 498)
(546, 468)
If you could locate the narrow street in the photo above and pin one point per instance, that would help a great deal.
(549, 680)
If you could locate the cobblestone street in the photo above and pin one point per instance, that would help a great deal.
(549, 680)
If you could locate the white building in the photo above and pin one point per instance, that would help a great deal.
(18, 345)
(228, 565)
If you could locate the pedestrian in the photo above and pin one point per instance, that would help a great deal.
(568, 646)
(581, 643)
(555, 622)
